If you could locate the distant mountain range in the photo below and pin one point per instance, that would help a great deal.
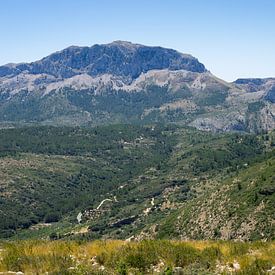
(123, 82)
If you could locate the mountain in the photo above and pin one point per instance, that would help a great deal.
(122, 82)
(118, 58)
(259, 84)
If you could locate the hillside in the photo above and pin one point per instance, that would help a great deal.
(240, 207)
(53, 172)
(136, 182)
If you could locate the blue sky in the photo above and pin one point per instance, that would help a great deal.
(233, 38)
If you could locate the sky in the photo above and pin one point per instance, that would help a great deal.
(232, 38)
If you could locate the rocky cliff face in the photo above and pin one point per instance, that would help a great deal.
(124, 82)
(266, 85)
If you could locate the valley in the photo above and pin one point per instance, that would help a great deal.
(49, 175)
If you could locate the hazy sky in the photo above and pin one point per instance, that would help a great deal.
(233, 38)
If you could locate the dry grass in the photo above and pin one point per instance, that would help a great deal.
(148, 257)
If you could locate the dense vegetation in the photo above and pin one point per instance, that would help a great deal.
(151, 175)
(70, 107)
(54, 171)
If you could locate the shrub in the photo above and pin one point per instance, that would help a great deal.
(209, 256)
(259, 266)
(52, 217)
(122, 268)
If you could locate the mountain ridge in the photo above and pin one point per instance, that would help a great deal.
(122, 82)
(120, 56)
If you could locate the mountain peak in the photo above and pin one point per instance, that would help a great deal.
(119, 58)
(126, 44)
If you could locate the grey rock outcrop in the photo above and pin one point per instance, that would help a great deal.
(119, 58)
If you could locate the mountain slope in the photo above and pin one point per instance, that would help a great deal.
(135, 181)
(259, 84)
(123, 82)
(240, 207)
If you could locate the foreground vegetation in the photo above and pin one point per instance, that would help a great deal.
(145, 257)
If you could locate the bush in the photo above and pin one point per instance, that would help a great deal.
(185, 255)
(209, 256)
(259, 266)
(122, 268)
(52, 217)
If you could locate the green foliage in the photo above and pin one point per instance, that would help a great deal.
(167, 229)
(234, 151)
(168, 271)
(122, 268)
(243, 198)
(211, 97)
(259, 266)
(51, 174)
(84, 164)
(209, 256)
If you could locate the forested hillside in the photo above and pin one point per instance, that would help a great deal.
(153, 181)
